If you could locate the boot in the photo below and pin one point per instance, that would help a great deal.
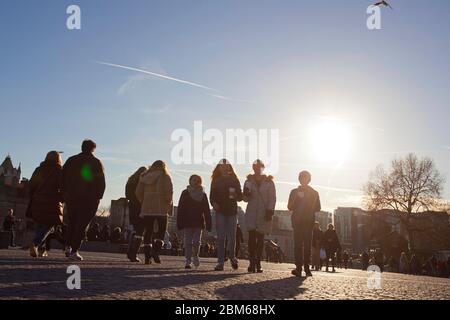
(308, 271)
(157, 245)
(148, 253)
(251, 268)
(133, 249)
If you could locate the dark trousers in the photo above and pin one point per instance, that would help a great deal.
(147, 228)
(255, 246)
(80, 215)
(12, 239)
(134, 211)
(302, 245)
(331, 254)
(54, 236)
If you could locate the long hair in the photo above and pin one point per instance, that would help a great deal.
(135, 176)
(216, 172)
(53, 157)
(159, 165)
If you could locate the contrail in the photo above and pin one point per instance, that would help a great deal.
(156, 75)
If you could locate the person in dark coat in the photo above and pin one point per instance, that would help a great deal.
(365, 260)
(345, 258)
(46, 200)
(331, 244)
(105, 233)
(239, 240)
(83, 185)
(134, 208)
(193, 216)
(225, 193)
(304, 202)
(9, 226)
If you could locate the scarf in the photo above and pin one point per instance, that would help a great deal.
(196, 193)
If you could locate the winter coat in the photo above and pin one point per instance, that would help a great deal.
(304, 202)
(261, 199)
(330, 241)
(154, 192)
(220, 194)
(192, 213)
(83, 178)
(46, 194)
(317, 236)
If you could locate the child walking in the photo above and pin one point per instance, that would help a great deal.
(193, 216)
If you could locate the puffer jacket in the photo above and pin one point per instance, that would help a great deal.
(262, 198)
(154, 191)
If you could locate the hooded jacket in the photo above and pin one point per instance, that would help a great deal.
(154, 191)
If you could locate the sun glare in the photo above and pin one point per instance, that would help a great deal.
(331, 141)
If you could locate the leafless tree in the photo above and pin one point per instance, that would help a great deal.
(411, 186)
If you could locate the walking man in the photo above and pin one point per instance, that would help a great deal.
(9, 226)
(83, 185)
(304, 202)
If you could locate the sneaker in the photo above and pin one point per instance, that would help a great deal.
(33, 251)
(297, 272)
(219, 267)
(234, 263)
(196, 262)
(75, 256)
(43, 253)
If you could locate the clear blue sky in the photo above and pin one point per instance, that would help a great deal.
(301, 61)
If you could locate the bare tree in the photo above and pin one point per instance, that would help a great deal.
(411, 186)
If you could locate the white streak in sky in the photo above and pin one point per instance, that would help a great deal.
(156, 75)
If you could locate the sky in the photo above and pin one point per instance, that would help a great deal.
(310, 69)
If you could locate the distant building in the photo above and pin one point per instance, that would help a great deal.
(13, 194)
(119, 214)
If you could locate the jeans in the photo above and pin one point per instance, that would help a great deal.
(146, 228)
(80, 215)
(192, 238)
(226, 229)
(41, 234)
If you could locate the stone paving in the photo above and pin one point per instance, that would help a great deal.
(111, 276)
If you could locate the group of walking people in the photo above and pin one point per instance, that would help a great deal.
(80, 184)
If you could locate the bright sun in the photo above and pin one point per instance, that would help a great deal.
(331, 141)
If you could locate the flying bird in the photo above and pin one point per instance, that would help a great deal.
(383, 3)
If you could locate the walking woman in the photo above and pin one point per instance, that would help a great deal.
(134, 208)
(331, 245)
(259, 193)
(225, 194)
(154, 191)
(316, 245)
(46, 206)
(193, 216)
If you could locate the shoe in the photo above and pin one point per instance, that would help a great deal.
(333, 270)
(75, 256)
(259, 268)
(33, 251)
(67, 252)
(297, 272)
(219, 267)
(43, 253)
(234, 263)
(157, 245)
(308, 272)
(251, 268)
(133, 249)
(196, 261)
(188, 266)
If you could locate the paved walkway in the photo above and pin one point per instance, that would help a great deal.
(111, 276)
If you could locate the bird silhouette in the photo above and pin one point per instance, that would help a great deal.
(383, 3)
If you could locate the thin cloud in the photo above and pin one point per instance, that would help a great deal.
(156, 75)
(218, 96)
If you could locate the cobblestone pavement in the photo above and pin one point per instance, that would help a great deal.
(111, 276)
